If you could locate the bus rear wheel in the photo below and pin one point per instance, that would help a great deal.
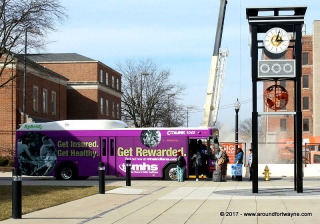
(171, 172)
(66, 172)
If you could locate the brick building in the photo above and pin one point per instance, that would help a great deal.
(46, 99)
(281, 127)
(94, 89)
(59, 87)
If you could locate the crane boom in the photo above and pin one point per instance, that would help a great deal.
(223, 56)
(213, 82)
(222, 12)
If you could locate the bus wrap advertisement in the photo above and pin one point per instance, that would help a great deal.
(67, 154)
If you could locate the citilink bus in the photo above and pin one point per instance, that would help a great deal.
(72, 149)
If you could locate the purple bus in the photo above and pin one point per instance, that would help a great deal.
(72, 149)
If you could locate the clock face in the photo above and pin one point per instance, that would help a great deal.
(276, 40)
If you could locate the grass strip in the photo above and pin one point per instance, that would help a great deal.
(35, 198)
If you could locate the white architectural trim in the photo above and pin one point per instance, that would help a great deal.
(42, 74)
(316, 78)
(276, 114)
(93, 85)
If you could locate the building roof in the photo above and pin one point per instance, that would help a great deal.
(20, 57)
(64, 58)
(59, 57)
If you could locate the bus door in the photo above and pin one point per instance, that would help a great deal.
(108, 155)
(192, 149)
(208, 164)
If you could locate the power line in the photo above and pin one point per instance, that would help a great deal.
(197, 110)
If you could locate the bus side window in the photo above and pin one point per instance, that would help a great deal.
(104, 148)
(111, 147)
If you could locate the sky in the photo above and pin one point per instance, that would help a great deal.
(177, 35)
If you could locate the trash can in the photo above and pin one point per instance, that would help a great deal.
(216, 176)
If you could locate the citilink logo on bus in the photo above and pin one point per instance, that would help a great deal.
(176, 132)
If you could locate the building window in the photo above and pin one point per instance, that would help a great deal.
(45, 101)
(113, 109)
(283, 124)
(117, 84)
(305, 103)
(305, 81)
(118, 111)
(305, 58)
(107, 78)
(35, 98)
(101, 105)
(107, 107)
(112, 82)
(101, 76)
(53, 103)
(306, 125)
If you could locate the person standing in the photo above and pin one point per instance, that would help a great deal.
(250, 163)
(203, 170)
(197, 163)
(223, 166)
(181, 167)
(239, 160)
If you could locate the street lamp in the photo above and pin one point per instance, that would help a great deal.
(169, 95)
(25, 74)
(25, 70)
(141, 87)
(236, 108)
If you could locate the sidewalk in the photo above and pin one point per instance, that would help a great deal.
(158, 201)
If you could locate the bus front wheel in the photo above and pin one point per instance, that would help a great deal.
(66, 172)
(171, 172)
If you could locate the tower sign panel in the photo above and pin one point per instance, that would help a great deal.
(276, 69)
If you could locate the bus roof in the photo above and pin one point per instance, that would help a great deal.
(75, 125)
(100, 125)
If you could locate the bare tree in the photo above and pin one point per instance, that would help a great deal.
(159, 96)
(245, 127)
(19, 17)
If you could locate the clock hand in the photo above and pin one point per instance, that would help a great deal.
(279, 38)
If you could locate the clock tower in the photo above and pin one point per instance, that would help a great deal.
(276, 28)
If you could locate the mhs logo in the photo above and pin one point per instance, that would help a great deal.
(141, 167)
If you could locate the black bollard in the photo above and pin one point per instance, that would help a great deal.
(102, 185)
(16, 194)
(128, 173)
